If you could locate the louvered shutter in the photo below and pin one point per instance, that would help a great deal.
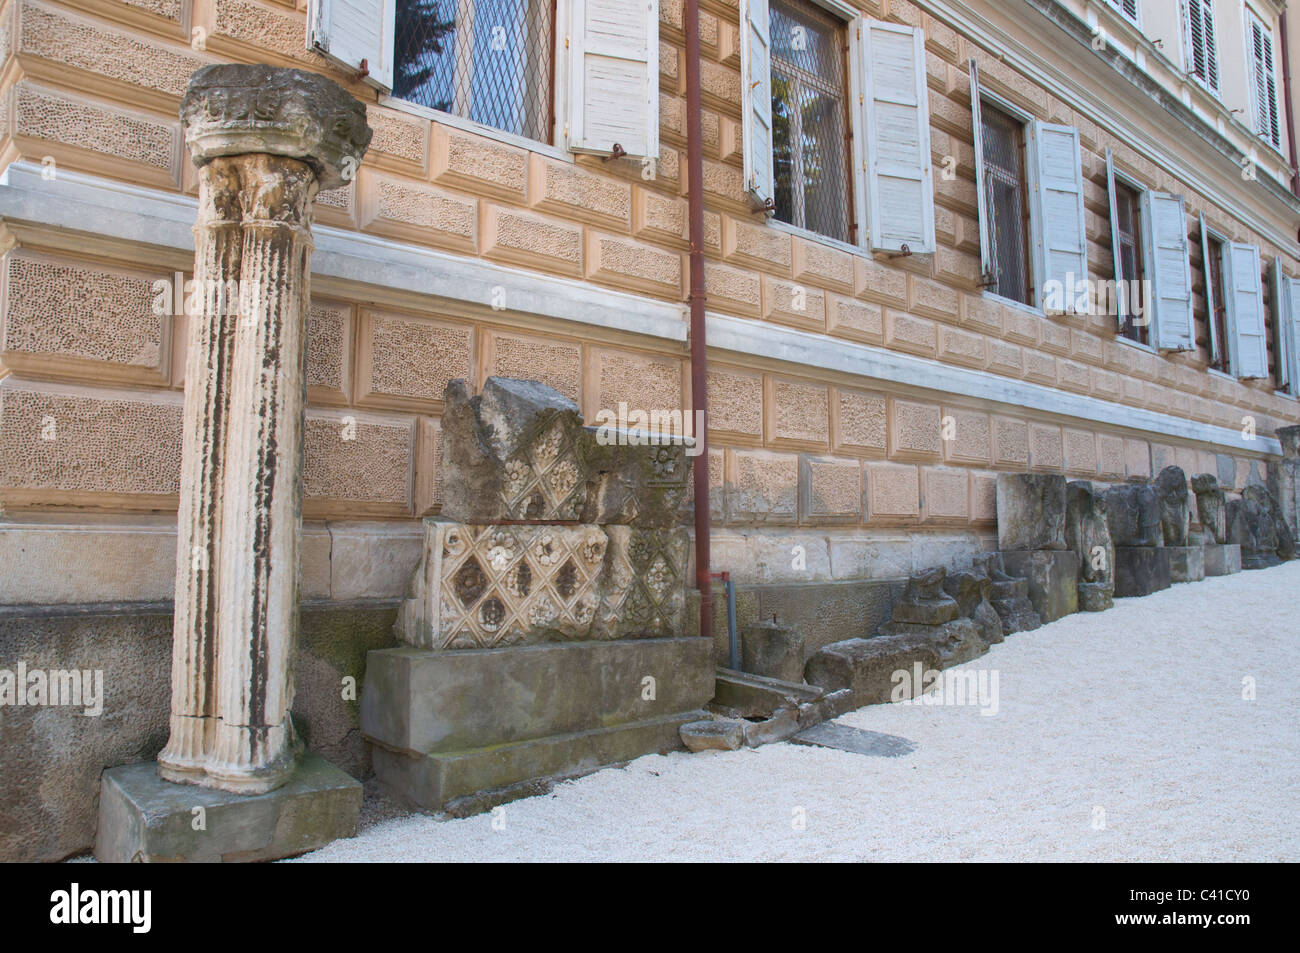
(1259, 51)
(1056, 190)
(981, 188)
(1202, 47)
(896, 123)
(756, 111)
(1164, 235)
(1244, 295)
(614, 77)
(356, 34)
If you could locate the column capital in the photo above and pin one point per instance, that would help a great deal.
(233, 109)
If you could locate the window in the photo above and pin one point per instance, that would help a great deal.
(1263, 83)
(1130, 267)
(1029, 189)
(810, 120)
(1127, 7)
(1200, 45)
(485, 60)
(1216, 305)
(1005, 194)
(495, 65)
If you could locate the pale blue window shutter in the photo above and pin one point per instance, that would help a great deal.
(1164, 235)
(1244, 294)
(355, 32)
(896, 123)
(1056, 191)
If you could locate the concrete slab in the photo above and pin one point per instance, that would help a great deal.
(143, 818)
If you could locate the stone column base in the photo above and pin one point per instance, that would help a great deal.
(1141, 570)
(1186, 563)
(143, 818)
(1053, 576)
(1222, 559)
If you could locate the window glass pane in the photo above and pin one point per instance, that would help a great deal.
(1005, 191)
(485, 60)
(809, 119)
(1218, 304)
(1131, 269)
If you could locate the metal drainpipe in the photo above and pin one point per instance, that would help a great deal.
(1290, 103)
(699, 359)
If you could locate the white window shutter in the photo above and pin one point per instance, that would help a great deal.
(1280, 292)
(1165, 247)
(756, 111)
(1121, 297)
(1201, 43)
(981, 191)
(896, 124)
(1058, 224)
(1244, 294)
(1259, 53)
(1292, 322)
(613, 56)
(1215, 343)
(355, 34)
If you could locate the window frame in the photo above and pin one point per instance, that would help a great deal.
(1118, 7)
(850, 17)
(1209, 234)
(1249, 15)
(1024, 118)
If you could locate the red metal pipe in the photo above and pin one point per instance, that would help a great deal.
(698, 299)
(1290, 105)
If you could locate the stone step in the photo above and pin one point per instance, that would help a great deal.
(756, 696)
(463, 782)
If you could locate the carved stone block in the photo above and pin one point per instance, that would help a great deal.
(1031, 511)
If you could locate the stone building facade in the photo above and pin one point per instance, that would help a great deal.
(862, 397)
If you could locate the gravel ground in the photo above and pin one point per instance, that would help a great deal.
(1119, 736)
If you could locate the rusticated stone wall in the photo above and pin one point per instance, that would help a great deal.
(798, 457)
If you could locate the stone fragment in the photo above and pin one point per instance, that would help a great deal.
(924, 602)
(956, 641)
(1211, 507)
(972, 590)
(714, 735)
(1088, 536)
(772, 650)
(1284, 477)
(1133, 515)
(1009, 596)
(782, 726)
(866, 667)
(1255, 523)
(1171, 487)
(1031, 511)
(1053, 580)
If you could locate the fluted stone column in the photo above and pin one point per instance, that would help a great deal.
(265, 140)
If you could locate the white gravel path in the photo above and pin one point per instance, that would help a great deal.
(1137, 712)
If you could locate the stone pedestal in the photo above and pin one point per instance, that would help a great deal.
(1222, 559)
(1141, 570)
(545, 624)
(464, 730)
(1186, 563)
(143, 818)
(1052, 575)
(927, 612)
